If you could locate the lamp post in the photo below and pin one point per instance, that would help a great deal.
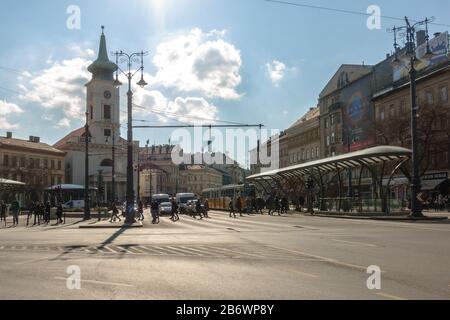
(130, 59)
(113, 168)
(410, 51)
(350, 140)
(87, 204)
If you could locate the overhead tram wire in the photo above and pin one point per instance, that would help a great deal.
(170, 115)
(354, 12)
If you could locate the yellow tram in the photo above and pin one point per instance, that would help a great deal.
(219, 198)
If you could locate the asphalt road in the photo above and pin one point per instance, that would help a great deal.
(254, 257)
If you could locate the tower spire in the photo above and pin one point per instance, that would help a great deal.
(102, 68)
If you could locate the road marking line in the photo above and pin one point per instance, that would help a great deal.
(100, 282)
(307, 274)
(236, 252)
(325, 259)
(355, 242)
(389, 296)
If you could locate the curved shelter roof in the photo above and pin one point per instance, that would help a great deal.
(11, 182)
(360, 158)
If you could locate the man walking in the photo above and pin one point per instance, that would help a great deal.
(141, 211)
(174, 212)
(47, 212)
(231, 207)
(115, 214)
(37, 213)
(15, 208)
(239, 206)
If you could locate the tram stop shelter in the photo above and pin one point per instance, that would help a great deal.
(10, 189)
(354, 182)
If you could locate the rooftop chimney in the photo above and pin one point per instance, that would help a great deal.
(9, 135)
(421, 37)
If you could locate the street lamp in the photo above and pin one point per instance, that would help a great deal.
(130, 59)
(410, 53)
(113, 169)
(87, 205)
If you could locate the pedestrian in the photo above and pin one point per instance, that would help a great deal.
(206, 208)
(231, 207)
(59, 213)
(239, 206)
(3, 208)
(198, 209)
(37, 213)
(155, 209)
(115, 214)
(15, 208)
(174, 212)
(30, 212)
(141, 211)
(47, 212)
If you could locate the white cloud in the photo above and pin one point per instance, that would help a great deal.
(276, 71)
(63, 123)
(5, 125)
(6, 109)
(193, 110)
(60, 87)
(199, 62)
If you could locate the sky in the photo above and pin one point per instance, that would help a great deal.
(244, 61)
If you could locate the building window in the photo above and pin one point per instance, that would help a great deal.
(430, 98)
(107, 112)
(45, 163)
(23, 162)
(382, 114)
(392, 111)
(14, 161)
(31, 163)
(107, 132)
(37, 163)
(333, 138)
(328, 141)
(444, 94)
(91, 112)
(59, 165)
(6, 160)
(52, 164)
(402, 107)
(317, 152)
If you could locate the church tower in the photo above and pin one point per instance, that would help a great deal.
(103, 100)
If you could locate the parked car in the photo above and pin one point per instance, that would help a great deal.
(182, 200)
(74, 204)
(123, 208)
(165, 208)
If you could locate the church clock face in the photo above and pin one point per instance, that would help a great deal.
(107, 95)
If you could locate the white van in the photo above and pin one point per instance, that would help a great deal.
(160, 198)
(74, 204)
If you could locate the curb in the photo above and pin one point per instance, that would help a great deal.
(112, 226)
(400, 218)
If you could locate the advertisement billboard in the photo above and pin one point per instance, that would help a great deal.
(357, 115)
(439, 48)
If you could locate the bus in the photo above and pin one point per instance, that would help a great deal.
(219, 198)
